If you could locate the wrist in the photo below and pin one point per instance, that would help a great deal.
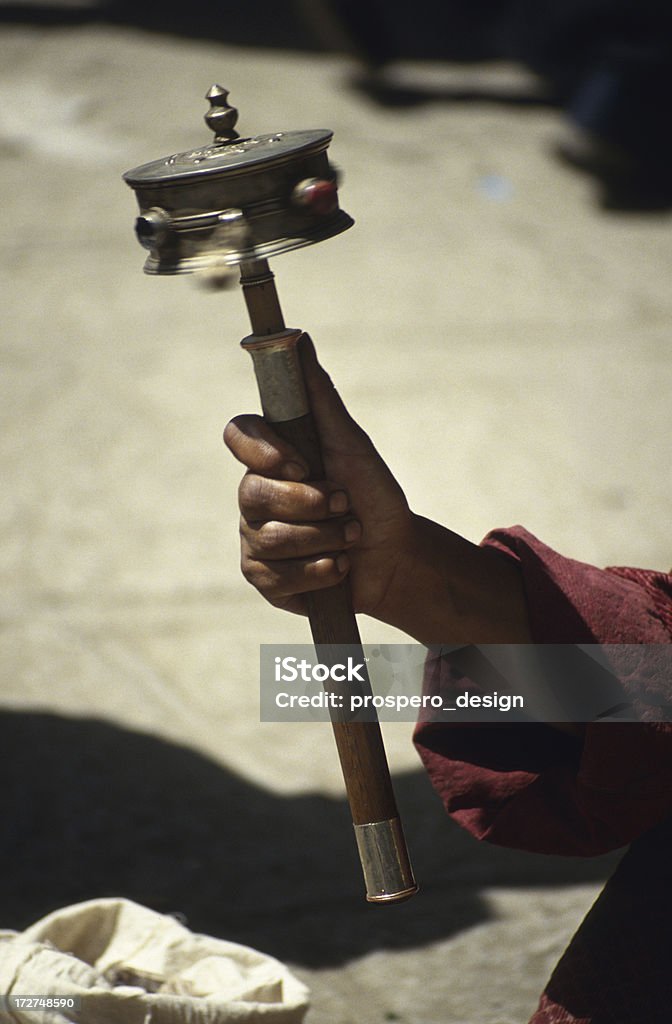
(445, 589)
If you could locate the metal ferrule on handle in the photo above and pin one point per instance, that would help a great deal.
(388, 875)
(275, 351)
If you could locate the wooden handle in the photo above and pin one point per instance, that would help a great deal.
(277, 361)
(332, 622)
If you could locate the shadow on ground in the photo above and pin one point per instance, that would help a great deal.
(265, 24)
(90, 809)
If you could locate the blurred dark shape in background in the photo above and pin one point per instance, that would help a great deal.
(606, 63)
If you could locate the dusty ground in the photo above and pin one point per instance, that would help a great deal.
(503, 339)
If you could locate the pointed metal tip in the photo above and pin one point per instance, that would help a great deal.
(221, 117)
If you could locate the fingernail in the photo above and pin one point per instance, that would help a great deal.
(338, 502)
(352, 531)
(293, 471)
(342, 563)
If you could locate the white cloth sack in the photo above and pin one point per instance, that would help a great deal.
(130, 965)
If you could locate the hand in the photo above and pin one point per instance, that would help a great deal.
(299, 536)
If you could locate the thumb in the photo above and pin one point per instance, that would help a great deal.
(336, 428)
(254, 443)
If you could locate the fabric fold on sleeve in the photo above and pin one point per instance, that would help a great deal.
(530, 786)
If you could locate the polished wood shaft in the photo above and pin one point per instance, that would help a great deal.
(332, 619)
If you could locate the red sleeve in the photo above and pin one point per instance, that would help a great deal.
(531, 787)
(570, 602)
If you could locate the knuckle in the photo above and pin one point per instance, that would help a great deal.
(243, 493)
(230, 433)
(323, 572)
(260, 577)
(269, 457)
(270, 538)
(238, 432)
(248, 568)
(253, 492)
(316, 503)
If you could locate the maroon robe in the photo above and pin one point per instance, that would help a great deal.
(532, 787)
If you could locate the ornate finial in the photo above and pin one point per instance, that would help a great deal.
(221, 118)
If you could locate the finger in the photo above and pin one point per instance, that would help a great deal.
(262, 499)
(254, 443)
(273, 541)
(279, 580)
(297, 604)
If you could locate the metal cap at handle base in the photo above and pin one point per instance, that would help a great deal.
(388, 874)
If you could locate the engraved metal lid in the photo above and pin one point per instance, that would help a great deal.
(233, 157)
(237, 198)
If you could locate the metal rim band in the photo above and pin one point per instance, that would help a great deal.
(278, 371)
(388, 874)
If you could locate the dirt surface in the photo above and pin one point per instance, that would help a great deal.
(503, 339)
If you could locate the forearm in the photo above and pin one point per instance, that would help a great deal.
(447, 590)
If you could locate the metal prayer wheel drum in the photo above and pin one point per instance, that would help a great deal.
(236, 199)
